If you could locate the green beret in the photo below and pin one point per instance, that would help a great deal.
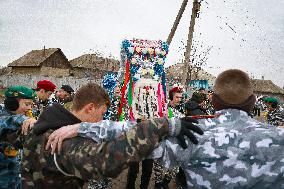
(271, 100)
(20, 92)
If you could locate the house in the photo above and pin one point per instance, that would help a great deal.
(48, 62)
(174, 74)
(267, 88)
(93, 66)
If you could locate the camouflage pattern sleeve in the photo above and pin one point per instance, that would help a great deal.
(104, 130)
(12, 122)
(87, 160)
(10, 125)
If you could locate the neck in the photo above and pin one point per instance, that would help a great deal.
(37, 92)
(78, 114)
(172, 104)
(37, 96)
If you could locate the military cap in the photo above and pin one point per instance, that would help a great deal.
(177, 89)
(67, 88)
(210, 92)
(46, 85)
(20, 92)
(271, 100)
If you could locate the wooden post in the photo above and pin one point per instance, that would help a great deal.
(195, 11)
(176, 23)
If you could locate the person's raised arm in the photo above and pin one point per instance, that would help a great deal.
(89, 160)
(101, 131)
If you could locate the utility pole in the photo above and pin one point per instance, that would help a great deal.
(194, 14)
(176, 23)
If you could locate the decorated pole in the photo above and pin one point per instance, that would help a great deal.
(143, 94)
(176, 23)
(194, 14)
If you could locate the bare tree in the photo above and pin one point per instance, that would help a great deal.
(198, 58)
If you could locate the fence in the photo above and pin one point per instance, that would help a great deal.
(31, 80)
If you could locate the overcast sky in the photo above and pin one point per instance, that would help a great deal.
(248, 35)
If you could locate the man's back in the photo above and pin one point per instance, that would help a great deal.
(38, 166)
(235, 152)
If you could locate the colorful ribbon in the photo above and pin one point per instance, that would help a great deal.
(123, 89)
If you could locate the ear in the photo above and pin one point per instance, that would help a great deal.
(11, 104)
(89, 107)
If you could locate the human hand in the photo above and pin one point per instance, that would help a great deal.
(187, 127)
(27, 125)
(56, 138)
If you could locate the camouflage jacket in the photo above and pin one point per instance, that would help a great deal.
(9, 123)
(86, 159)
(235, 151)
(276, 117)
(9, 166)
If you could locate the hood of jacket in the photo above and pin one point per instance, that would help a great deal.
(54, 117)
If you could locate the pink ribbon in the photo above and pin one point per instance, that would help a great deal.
(160, 98)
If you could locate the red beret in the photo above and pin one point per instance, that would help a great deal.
(176, 89)
(46, 85)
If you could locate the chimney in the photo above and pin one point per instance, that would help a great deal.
(43, 51)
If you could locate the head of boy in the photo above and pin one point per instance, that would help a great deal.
(19, 99)
(233, 90)
(44, 89)
(64, 92)
(90, 103)
(175, 95)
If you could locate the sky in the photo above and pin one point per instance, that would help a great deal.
(247, 35)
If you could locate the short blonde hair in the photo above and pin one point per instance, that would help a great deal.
(90, 93)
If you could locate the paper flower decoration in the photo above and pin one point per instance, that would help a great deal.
(133, 61)
(160, 61)
(150, 51)
(138, 49)
(109, 82)
(144, 51)
(143, 71)
(131, 50)
(157, 51)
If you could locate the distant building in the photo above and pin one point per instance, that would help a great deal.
(93, 66)
(197, 84)
(48, 62)
(174, 74)
(267, 88)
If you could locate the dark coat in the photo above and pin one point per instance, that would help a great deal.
(192, 108)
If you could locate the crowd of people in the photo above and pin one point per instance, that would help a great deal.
(235, 151)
